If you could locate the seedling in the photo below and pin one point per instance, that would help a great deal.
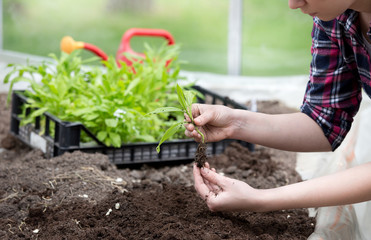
(185, 99)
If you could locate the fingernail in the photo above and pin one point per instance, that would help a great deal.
(204, 170)
(199, 121)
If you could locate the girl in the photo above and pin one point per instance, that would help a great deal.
(340, 69)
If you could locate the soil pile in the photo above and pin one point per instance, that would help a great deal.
(84, 196)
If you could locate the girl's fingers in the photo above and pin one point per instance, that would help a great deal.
(187, 133)
(189, 127)
(187, 118)
(200, 186)
(213, 177)
(196, 134)
(215, 188)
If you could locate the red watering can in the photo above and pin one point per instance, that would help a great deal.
(68, 44)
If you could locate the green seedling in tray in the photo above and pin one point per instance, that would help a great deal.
(110, 101)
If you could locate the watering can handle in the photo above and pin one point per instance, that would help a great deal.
(125, 41)
(68, 44)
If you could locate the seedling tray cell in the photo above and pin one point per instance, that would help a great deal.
(67, 137)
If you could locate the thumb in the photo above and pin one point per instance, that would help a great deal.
(199, 120)
(212, 176)
(202, 117)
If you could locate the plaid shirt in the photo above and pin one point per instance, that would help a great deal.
(340, 68)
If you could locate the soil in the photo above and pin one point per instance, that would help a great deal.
(84, 196)
(201, 156)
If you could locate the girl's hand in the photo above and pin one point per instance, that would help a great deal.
(214, 121)
(224, 194)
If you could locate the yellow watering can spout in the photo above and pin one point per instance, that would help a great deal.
(68, 44)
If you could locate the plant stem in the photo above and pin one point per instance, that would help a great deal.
(189, 113)
(202, 135)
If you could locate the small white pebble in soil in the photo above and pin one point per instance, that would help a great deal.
(117, 206)
(288, 216)
(184, 168)
(108, 212)
(118, 180)
(36, 231)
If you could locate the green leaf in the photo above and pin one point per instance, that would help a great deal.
(79, 112)
(111, 122)
(166, 109)
(115, 138)
(102, 135)
(15, 80)
(181, 98)
(91, 60)
(53, 89)
(145, 138)
(132, 85)
(175, 73)
(170, 132)
(90, 117)
(189, 97)
(38, 112)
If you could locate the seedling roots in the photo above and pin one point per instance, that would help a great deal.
(201, 157)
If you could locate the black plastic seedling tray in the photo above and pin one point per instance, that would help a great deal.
(67, 137)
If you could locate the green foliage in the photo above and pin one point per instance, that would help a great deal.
(111, 101)
(185, 99)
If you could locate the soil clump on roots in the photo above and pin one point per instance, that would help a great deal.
(201, 157)
(84, 196)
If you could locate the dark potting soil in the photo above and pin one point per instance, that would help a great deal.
(84, 196)
(201, 156)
